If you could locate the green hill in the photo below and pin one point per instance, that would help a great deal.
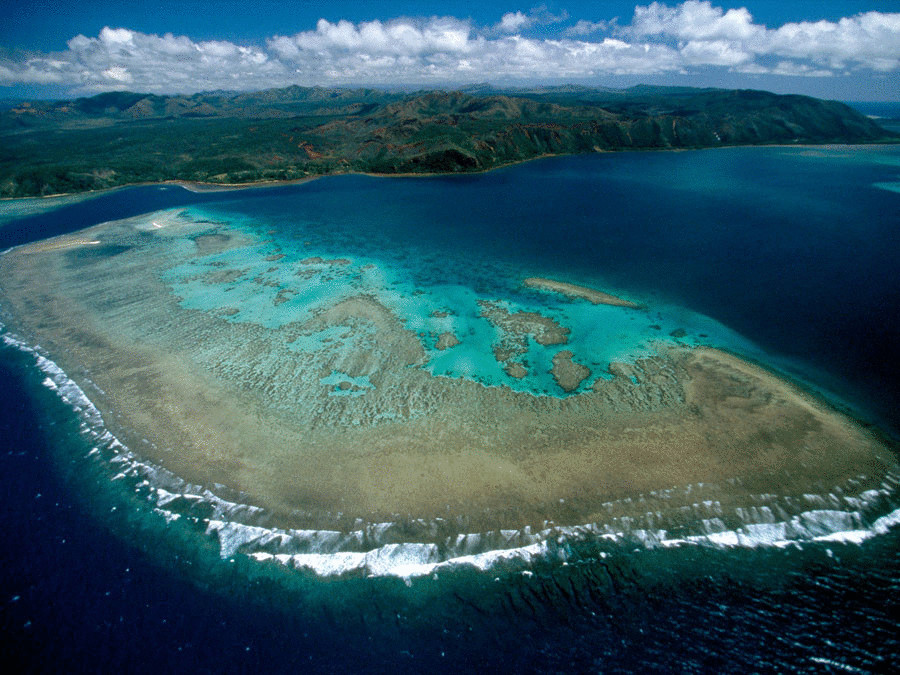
(121, 138)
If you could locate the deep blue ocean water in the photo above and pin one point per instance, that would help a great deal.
(794, 248)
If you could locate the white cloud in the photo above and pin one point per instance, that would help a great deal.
(791, 68)
(714, 53)
(693, 36)
(694, 20)
(512, 22)
(398, 37)
(120, 57)
(870, 40)
(583, 28)
(117, 36)
(118, 74)
(446, 49)
(708, 35)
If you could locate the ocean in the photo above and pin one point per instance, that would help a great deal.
(785, 255)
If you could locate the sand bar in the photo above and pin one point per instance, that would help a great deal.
(61, 244)
(579, 292)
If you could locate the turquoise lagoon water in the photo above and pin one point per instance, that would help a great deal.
(290, 270)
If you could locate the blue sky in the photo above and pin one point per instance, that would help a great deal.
(848, 50)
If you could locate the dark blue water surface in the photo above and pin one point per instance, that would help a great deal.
(795, 249)
(112, 205)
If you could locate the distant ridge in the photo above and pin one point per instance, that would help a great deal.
(121, 138)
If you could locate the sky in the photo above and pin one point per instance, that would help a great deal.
(845, 50)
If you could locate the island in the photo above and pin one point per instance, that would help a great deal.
(227, 139)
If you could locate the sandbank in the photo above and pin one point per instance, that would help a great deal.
(61, 244)
(578, 292)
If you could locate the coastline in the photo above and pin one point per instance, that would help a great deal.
(189, 185)
(202, 187)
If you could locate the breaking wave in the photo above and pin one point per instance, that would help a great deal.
(385, 549)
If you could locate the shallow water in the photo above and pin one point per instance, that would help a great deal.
(799, 269)
(255, 281)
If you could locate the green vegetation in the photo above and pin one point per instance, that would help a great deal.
(122, 138)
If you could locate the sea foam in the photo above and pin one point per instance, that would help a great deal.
(372, 550)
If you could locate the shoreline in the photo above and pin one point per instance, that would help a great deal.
(189, 185)
(203, 187)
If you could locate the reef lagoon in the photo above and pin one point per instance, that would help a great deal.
(600, 412)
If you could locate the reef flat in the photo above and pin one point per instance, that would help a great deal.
(329, 395)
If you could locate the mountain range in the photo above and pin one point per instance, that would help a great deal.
(120, 138)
